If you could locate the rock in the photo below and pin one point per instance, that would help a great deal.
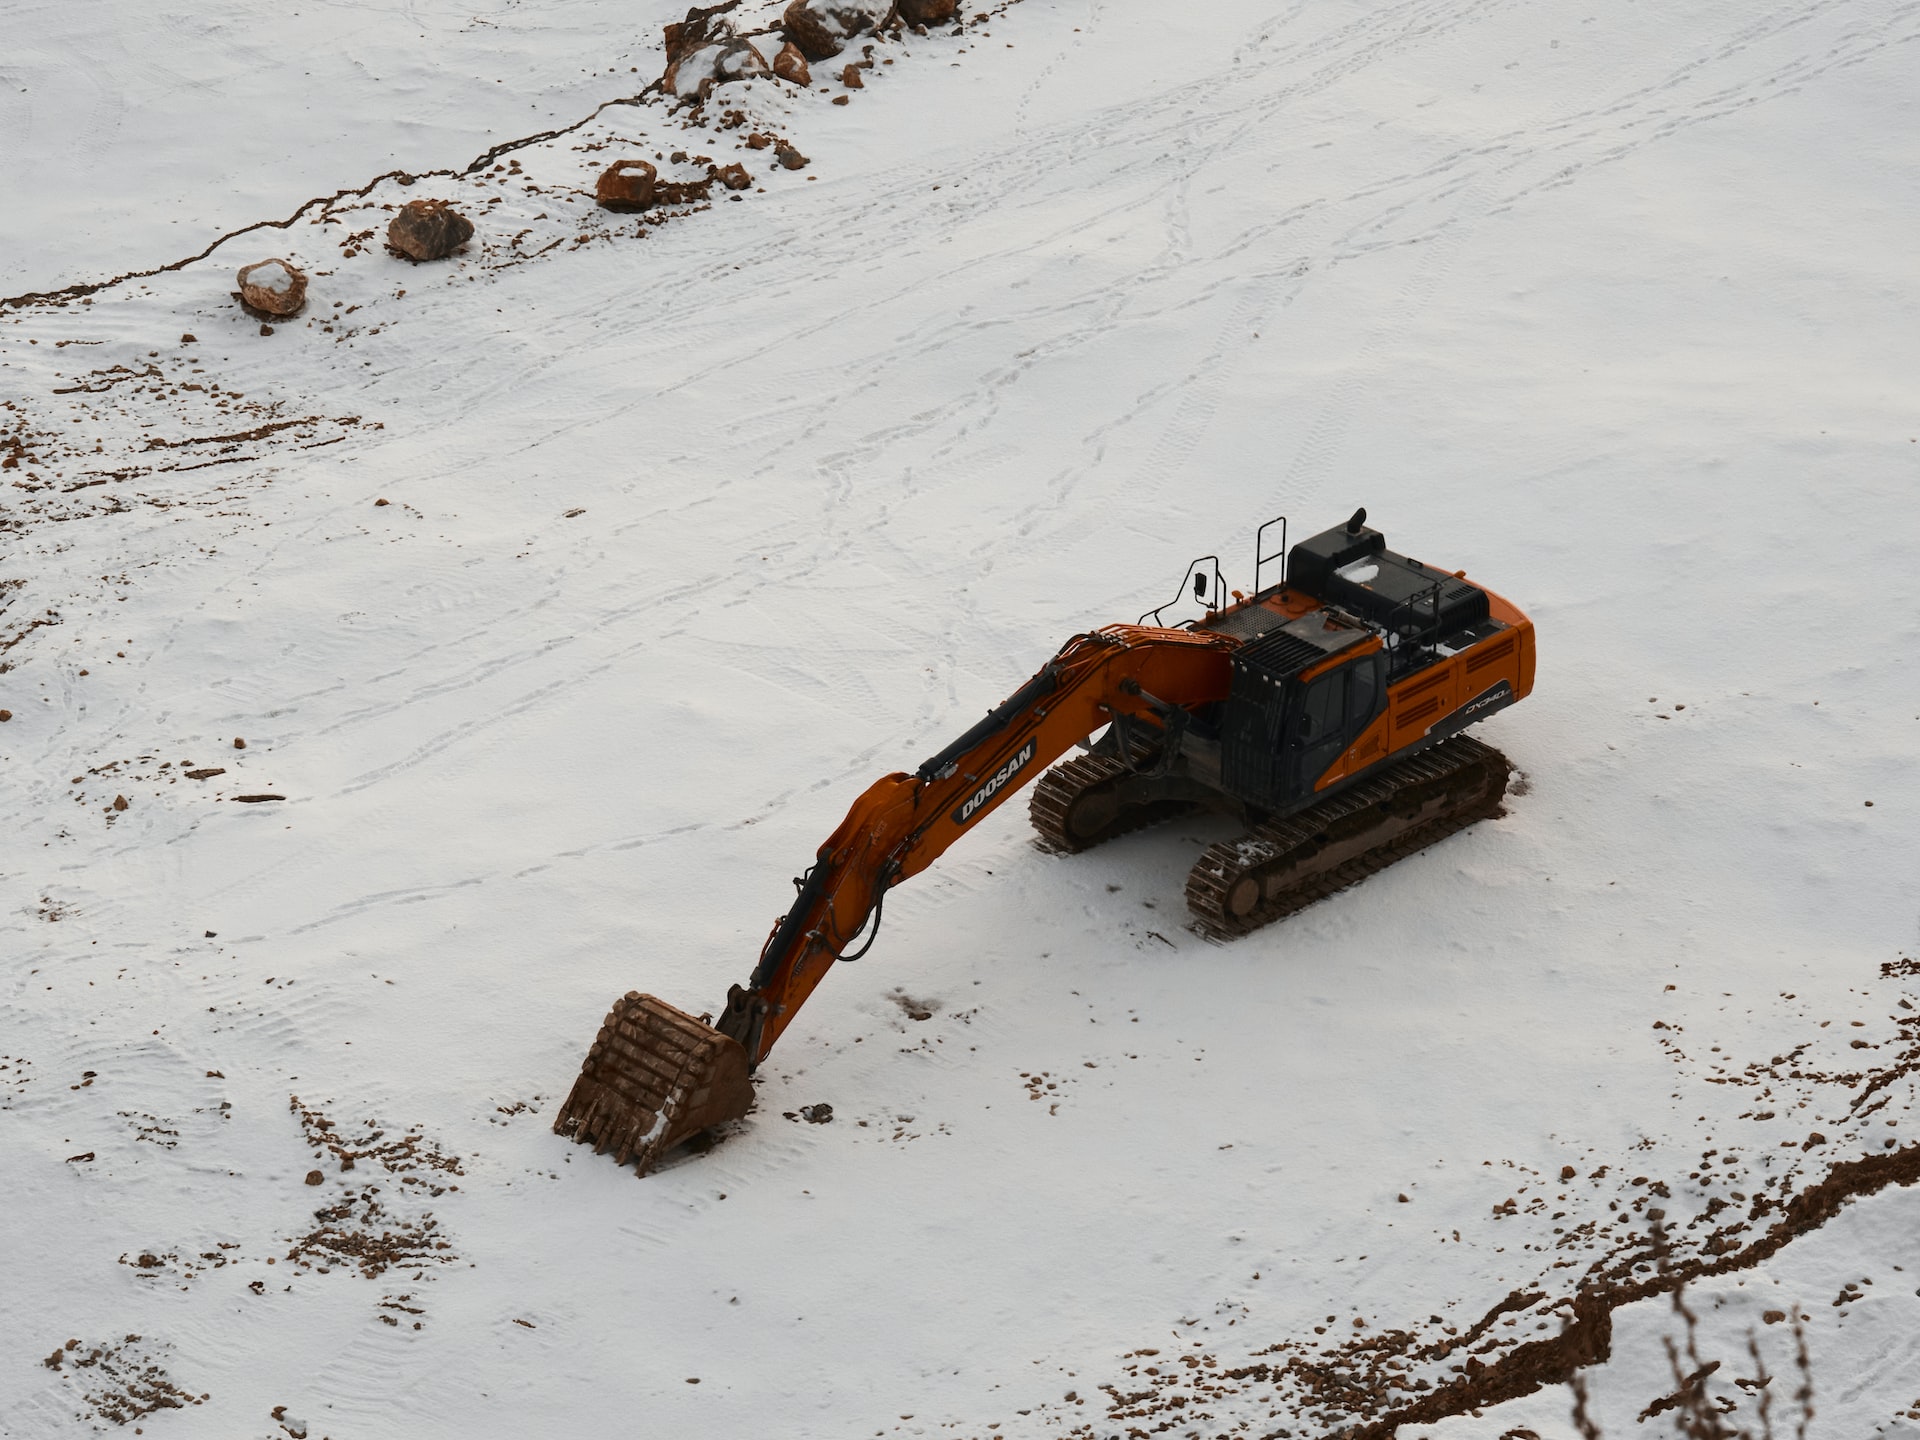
(685, 75)
(238, 743)
(790, 157)
(693, 75)
(119, 802)
(314, 1177)
(740, 61)
(850, 77)
(5, 715)
(791, 65)
(273, 287)
(928, 12)
(626, 185)
(822, 27)
(734, 176)
(701, 25)
(428, 230)
(189, 339)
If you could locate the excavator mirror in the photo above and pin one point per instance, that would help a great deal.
(1199, 585)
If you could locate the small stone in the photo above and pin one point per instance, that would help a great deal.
(1404, 1200)
(314, 1177)
(626, 185)
(734, 176)
(379, 503)
(148, 1260)
(119, 802)
(790, 157)
(5, 715)
(266, 329)
(189, 339)
(238, 743)
(1567, 1172)
(790, 65)
(1774, 1317)
(273, 287)
(841, 99)
(428, 230)
(927, 12)
(850, 77)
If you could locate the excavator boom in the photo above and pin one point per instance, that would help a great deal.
(657, 1076)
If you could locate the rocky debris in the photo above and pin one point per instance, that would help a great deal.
(850, 77)
(273, 287)
(821, 28)
(733, 176)
(428, 230)
(791, 65)
(928, 12)
(120, 802)
(790, 157)
(238, 743)
(6, 715)
(626, 185)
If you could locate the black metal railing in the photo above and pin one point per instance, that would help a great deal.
(1411, 634)
(1260, 555)
(1199, 576)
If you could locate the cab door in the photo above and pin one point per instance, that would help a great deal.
(1333, 711)
(1319, 738)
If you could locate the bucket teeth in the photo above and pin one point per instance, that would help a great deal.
(653, 1078)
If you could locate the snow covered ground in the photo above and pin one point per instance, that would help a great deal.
(693, 532)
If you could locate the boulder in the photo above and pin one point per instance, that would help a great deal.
(703, 24)
(790, 157)
(733, 176)
(273, 287)
(694, 74)
(790, 65)
(821, 28)
(428, 230)
(626, 185)
(850, 77)
(741, 60)
(928, 12)
(689, 75)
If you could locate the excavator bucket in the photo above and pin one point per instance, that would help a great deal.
(655, 1077)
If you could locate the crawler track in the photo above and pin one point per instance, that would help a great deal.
(1285, 865)
(1080, 804)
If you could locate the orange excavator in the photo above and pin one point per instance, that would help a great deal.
(1324, 713)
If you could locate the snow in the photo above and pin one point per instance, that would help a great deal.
(692, 536)
(269, 275)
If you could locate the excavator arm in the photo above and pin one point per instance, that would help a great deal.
(657, 1076)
